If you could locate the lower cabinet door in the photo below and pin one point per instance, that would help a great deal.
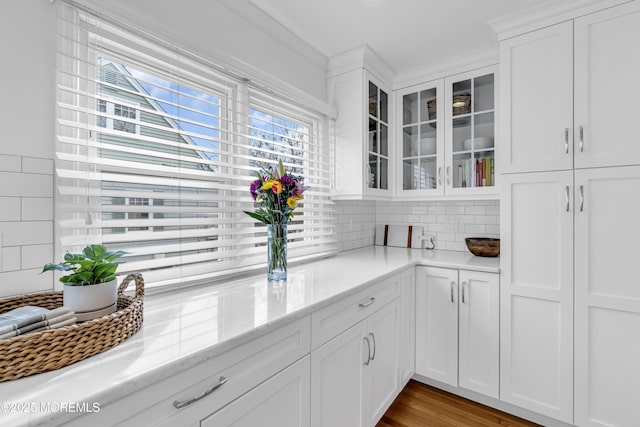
(478, 341)
(437, 324)
(381, 373)
(281, 401)
(337, 369)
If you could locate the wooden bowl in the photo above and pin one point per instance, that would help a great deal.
(483, 246)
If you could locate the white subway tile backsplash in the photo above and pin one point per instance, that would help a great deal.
(475, 210)
(26, 233)
(25, 281)
(36, 256)
(10, 163)
(10, 209)
(449, 221)
(37, 208)
(35, 165)
(478, 229)
(25, 185)
(10, 258)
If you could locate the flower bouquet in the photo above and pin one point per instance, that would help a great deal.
(278, 194)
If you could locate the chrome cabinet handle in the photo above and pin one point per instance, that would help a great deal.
(581, 133)
(373, 338)
(440, 175)
(453, 284)
(448, 175)
(178, 405)
(368, 303)
(566, 140)
(368, 351)
(463, 286)
(582, 198)
(566, 196)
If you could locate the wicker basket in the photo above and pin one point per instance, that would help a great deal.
(53, 349)
(464, 97)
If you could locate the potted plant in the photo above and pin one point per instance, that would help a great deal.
(91, 287)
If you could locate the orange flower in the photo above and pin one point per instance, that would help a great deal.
(272, 184)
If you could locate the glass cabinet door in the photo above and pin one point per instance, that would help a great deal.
(472, 136)
(419, 140)
(378, 167)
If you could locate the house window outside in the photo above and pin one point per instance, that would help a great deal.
(120, 110)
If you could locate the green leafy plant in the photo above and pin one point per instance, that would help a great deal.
(93, 266)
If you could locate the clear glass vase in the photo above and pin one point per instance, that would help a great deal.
(277, 252)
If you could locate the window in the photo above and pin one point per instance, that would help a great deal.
(156, 150)
(112, 109)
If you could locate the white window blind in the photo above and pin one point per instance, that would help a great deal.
(156, 149)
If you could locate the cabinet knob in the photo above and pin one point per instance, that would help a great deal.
(566, 197)
(581, 138)
(566, 140)
(582, 198)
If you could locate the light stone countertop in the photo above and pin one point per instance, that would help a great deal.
(185, 327)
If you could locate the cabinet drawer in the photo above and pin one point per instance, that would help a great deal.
(340, 316)
(244, 367)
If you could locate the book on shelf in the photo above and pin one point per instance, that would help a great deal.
(476, 172)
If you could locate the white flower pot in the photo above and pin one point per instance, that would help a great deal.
(91, 301)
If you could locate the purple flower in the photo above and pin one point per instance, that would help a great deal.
(287, 180)
(255, 185)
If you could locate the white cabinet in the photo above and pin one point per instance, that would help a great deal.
(607, 296)
(470, 133)
(457, 327)
(446, 141)
(420, 137)
(568, 306)
(607, 63)
(195, 393)
(437, 324)
(362, 137)
(281, 401)
(565, 94)
(536, 70)
(406, 361)
(536, 261)
(354, 377)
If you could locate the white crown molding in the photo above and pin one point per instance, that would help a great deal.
(450, 67)
(360, 57)
(548, 13)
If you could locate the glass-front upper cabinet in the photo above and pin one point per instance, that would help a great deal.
(420, 140)
(470, 133)
(378, 119)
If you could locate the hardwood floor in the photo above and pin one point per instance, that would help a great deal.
(420, 405)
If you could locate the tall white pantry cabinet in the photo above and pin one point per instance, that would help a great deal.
(570, 298)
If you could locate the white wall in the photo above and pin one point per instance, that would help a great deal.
(26, 145)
